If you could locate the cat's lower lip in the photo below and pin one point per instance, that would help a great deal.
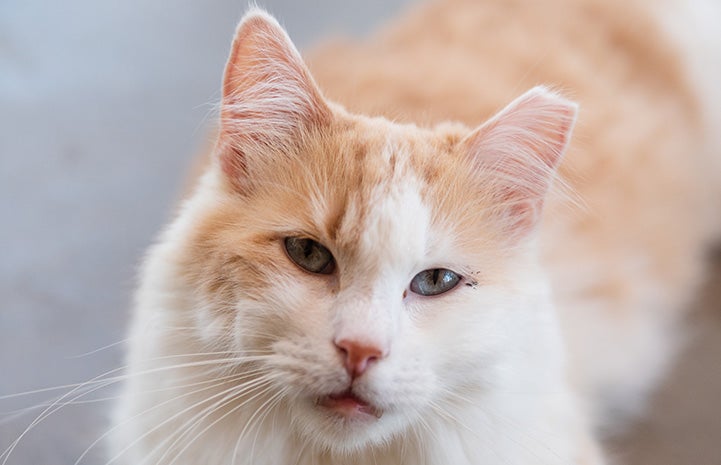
(349, 405)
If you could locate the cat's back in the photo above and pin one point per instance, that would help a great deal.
(635, 162)
(626, 257)
(466, 59)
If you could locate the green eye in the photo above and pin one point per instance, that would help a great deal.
(434, 282)
(309, 255)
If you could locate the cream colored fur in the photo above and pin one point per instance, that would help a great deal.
(572, 290)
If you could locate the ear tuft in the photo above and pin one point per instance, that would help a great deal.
(519, 150)
(269, 96)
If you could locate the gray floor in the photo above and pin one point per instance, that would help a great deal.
(102, 106)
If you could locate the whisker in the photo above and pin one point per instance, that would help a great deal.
(95, 351)
(229, 394)
(248, 423)
(99, 378)
(156, 406)
(42, 416)
(270, 408)
(204, 430)
(102, 382)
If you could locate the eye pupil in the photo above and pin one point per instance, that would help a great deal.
(308, 248)
(309, 255)
(434, 281)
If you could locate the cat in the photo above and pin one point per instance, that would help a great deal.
(439, 282)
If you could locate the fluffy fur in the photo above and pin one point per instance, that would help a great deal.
(567, 310)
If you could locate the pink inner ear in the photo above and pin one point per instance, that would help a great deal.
(269, 97)
(517, 153)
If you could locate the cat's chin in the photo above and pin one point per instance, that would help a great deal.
(344, 421)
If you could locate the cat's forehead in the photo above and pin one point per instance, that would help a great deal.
(375, 193)
(378, 157)
(388, 218)
(388, 187)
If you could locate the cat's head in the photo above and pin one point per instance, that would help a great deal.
(375, 276)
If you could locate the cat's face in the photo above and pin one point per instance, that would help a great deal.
(377, 275)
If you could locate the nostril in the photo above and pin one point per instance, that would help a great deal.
(358, 355)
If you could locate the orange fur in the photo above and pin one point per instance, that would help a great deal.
(642, 225)
(390, 199)
(635, 162)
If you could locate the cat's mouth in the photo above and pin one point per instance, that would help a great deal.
(349, 405)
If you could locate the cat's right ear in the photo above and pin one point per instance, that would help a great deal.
(269, 96)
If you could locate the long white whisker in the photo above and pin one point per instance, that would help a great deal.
(271, 407)
(248, 423)
(216, 383)
(100, 349)
(104, 382)
(234, 409)
(229, 393)
(100, 378)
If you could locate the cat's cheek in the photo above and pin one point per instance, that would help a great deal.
(404, 385)
(468, 335)
(212, 326)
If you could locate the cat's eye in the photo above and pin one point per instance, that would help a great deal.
(309, 255)
(435, 281)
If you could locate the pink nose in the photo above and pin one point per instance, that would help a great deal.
(357, 356)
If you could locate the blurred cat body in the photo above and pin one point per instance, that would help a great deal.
(565, 316)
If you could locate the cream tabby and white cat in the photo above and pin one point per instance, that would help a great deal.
(345, 289)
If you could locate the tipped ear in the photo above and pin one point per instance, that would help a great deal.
(269, 96)
(519, 150)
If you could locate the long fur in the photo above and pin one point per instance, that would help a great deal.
(564, 318)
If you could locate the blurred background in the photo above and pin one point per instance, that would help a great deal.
(103, 105)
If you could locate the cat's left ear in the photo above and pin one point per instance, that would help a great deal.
(269, 97)
(517, 152)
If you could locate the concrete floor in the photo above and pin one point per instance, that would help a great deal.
(102, 106)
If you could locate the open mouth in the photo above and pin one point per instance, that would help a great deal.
(349, 405)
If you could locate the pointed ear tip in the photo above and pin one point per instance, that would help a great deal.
(254, 11)
(256, 15)
(552, 95)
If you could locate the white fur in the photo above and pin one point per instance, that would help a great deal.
(475, 376)
(498, 396)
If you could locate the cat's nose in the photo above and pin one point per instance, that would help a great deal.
(358, 355)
